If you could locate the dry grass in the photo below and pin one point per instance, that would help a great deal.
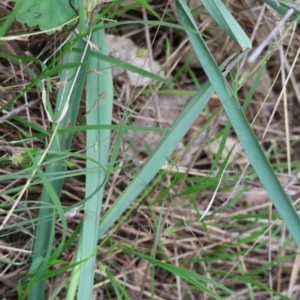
(229, 242)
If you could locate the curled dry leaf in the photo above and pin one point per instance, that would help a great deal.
(237, 155)
(124, 49)
(169, 108)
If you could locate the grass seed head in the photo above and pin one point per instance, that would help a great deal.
(17, 158)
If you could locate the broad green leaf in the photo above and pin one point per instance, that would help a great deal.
(47, 14)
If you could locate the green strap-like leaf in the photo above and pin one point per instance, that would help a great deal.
(241, 125)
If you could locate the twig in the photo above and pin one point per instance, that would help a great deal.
(17, 110)
(272, 34)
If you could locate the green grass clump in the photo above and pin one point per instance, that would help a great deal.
(104, 221)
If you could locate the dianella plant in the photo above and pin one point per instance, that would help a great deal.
(82, 70)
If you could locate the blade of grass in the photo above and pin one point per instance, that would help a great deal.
(185, 274)
(161, 153)
(59, 143)
(283, 8)
(129, 67)
(98, 143)
(240, 124)
(110, 127)
(226, 21)
(10, 19)
(44, 259)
